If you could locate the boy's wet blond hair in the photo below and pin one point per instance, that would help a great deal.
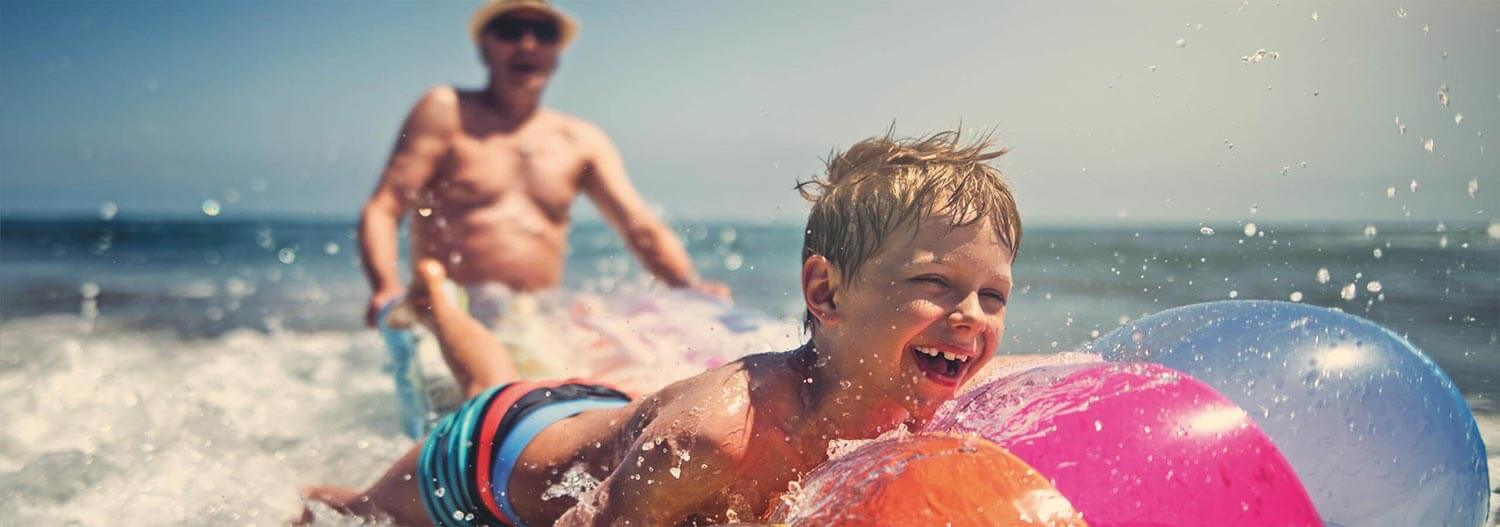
(881, 184)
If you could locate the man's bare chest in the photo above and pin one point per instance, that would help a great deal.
(542, 169)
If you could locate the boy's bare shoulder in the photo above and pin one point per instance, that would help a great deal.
(714, 412)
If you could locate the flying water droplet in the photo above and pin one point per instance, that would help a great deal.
(1296, 296)
(1390, 192)
(1401, 12)
(1206, 230)
(1348, 292)
(108, 210)
(1458, 119)
(1378, 253)
(1442, 95)
(1315, 16)
(1233, 293)
(211, 207)
(1473, 186)
(1413, 186)
(424, 211)
(1181, 42)
(1323, 275)
(1250, 230)
(1427, 145)
(1259, 55)
(1371, 231)
(1374, 286)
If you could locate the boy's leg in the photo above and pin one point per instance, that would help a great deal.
(395, 495)
(478, 359)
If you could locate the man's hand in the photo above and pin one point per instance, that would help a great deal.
(377, 301)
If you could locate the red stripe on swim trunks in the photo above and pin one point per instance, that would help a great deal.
(492, 417)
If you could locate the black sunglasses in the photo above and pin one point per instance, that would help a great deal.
(510, 29)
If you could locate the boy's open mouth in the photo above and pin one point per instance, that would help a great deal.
(944, 367)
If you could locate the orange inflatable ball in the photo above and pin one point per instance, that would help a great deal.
(926, 480)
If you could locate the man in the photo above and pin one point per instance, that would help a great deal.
(492, 175)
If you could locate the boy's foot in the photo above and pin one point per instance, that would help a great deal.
(427, 288)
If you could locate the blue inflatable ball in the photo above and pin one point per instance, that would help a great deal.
(1377, 432)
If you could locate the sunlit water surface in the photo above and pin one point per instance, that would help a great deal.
(191, 373)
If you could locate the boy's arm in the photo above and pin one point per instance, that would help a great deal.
(660, 483)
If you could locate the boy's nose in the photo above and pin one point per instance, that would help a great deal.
(968, 314)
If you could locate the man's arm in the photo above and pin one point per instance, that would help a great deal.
(653, 243)
(423, 143)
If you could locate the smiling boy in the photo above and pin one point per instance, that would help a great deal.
(906, 269)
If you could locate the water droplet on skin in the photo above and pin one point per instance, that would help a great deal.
(1323, 275)
(1373, 287)
(211, 207)
(676, 472)
(424, 212)
(1348, 292)
(439, 492)
(1296, 296)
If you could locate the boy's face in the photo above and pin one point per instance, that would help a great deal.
(926, 312)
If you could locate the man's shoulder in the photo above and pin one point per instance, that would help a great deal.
(438, 108)
(579, 129)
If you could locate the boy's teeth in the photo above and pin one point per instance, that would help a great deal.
(949, 355)
(928, 351)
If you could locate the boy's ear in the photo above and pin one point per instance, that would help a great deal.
(819, 281)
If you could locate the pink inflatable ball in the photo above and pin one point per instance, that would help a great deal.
(926, 480)
(1136, 444)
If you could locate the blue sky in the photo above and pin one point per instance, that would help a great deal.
(289, 108)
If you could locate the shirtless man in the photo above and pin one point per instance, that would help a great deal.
(492, 175)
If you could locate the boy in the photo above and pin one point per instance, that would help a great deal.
(905, 275)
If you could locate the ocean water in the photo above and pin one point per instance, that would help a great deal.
(197, 372)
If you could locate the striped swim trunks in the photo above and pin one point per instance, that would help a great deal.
(465, 467)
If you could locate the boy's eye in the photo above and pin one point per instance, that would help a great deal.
(995, 296)
(931, 279)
